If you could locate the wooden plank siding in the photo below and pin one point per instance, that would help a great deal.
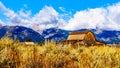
(76, 37)
(86, 38)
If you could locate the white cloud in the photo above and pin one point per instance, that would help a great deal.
(98, 31)
(24, 14)
(47, 17)
(86, 19)
(1, 23)
(9, 13)
(106, 39)
(20, 18)
(62, 9)
(118, 36)
(102, 18)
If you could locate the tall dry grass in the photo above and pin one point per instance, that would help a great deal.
(49, 55)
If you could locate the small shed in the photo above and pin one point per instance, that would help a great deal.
(29, 43)
(83, 38)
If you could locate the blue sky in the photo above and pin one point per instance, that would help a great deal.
(76, 5)
(65, 14)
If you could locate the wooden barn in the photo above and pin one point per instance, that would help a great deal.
(83, 38)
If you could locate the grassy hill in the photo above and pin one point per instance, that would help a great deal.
(50, 55)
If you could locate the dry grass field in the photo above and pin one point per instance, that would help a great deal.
(49, 55)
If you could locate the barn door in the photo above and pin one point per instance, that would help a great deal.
(89, 42)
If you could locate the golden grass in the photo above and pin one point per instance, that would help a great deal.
(49, 55)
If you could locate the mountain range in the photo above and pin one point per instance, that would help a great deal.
(23, 33)
(107, 36)
(20, 33)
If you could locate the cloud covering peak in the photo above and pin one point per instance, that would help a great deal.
(107, 18)
(103, 18)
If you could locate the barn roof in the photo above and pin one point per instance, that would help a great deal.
(80, 32)
(77, 35)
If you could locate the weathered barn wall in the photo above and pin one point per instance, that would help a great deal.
(86, 38)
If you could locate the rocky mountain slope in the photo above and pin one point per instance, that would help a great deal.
(107, 36)
(21, 33)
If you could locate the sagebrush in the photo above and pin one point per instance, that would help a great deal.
(14, 54)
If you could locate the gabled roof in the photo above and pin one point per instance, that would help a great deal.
(77, 35)
(80, 32)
